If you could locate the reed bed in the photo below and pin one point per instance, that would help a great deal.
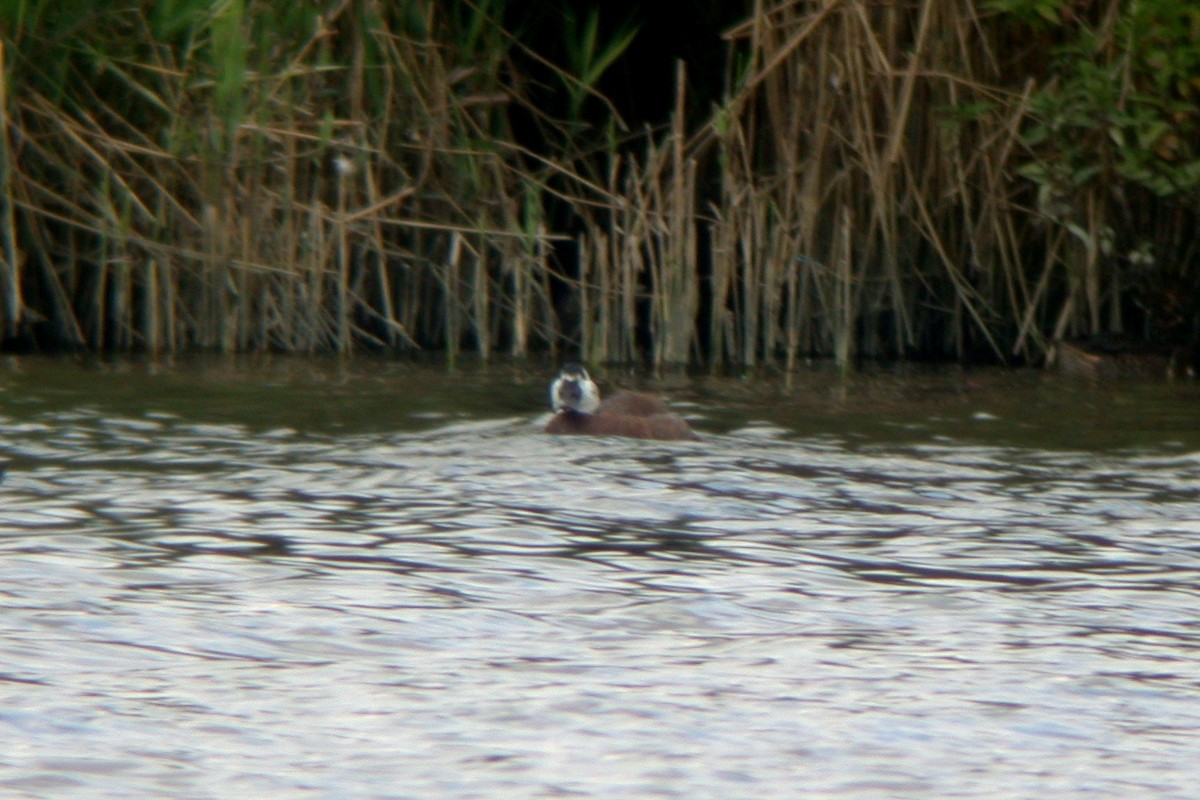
(883, 191)
(871, 184)
(863, 213)
(357, 188)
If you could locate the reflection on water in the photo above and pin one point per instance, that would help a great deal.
(382, 581)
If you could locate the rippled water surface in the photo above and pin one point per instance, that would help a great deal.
(372, 580)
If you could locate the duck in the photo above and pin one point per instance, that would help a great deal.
(575, 400)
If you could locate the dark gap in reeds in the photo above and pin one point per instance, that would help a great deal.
(872, 184)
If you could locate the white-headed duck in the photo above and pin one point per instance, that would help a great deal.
(579, 410)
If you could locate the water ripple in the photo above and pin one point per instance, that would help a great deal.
(197, 609)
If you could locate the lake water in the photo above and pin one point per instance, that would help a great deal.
(365, 579)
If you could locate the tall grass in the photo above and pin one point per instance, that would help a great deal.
(859, 214)
(270, 179)
(883, 191)
(877, 180)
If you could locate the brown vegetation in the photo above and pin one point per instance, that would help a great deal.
(867, 187)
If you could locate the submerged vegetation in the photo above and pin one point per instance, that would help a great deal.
(862, 179)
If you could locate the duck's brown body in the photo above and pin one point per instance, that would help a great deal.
(608, 422)
(578, 410)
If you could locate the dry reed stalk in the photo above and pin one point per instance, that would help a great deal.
(150, 323)
(843, 332)
(752, 247)
(394, 332)
(521, 294)
(450, 302)
(723, 272)
(585, 295)
(682, 293)
(624, 258)
(599, 302)
(341, 261)
(11, 303)
(856, 211)
(862, 75)
(481, 299)
(343, 271)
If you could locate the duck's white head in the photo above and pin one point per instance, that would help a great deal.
(574, 390)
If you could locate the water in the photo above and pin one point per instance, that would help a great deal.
(287, 579)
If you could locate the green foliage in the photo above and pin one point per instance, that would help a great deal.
(1035, 13)
(175, 21)
(477, 31)
(1123, 104)
(588, 57)
(1114, 138)
(230, 46)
